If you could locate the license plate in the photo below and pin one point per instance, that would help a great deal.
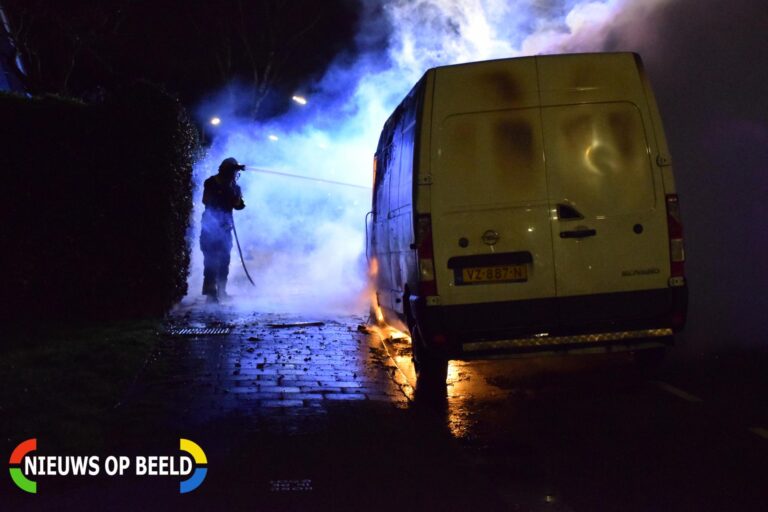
(495, 274)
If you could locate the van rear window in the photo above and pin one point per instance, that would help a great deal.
(488, 158)
(598, 158)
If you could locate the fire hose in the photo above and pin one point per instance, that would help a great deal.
(240, 252)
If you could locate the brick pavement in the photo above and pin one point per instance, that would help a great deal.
(261, 372)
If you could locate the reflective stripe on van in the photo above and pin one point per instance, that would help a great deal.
(544, 340)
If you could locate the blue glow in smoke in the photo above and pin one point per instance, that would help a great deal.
(304, 241)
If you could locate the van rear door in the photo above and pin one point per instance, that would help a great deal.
(489, 200)
(609, 231)
(609, 234)
(490, 209)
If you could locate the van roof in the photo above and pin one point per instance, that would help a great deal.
(542, 56)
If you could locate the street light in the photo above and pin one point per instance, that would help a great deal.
(205, 132)
(301, 100)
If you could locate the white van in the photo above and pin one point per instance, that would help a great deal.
(527, 205)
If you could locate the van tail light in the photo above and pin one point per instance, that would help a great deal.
(427, 284)
(676, 246)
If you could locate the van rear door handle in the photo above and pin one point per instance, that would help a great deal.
(578, 233)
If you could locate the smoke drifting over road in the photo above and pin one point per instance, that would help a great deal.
(304, 241)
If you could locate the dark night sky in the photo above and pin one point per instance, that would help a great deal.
(182, 47)
(190, 48)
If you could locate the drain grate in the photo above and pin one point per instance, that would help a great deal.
(198, 331)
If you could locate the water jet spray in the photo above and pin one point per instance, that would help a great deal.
(302, 177)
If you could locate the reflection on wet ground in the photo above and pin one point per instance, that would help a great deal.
(476, 385)
(305, 413)
(319, 401)
(267, 367)
(608, 432)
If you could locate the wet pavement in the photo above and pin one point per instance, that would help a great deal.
(307, 413)
(268, 366)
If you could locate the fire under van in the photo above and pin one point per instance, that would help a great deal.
(526, 206)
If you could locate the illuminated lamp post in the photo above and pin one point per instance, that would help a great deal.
(215, 121)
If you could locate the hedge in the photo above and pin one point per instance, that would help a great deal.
(96, 203)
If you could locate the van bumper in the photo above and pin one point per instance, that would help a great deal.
(590, 323)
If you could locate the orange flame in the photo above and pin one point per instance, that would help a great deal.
(382, 328)
(376, 310)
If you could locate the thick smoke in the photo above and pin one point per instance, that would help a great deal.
(304, 240)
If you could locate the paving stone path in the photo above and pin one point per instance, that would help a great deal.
(269, 366)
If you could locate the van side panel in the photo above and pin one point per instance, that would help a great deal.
(662, 158)
(393, 204)
(401, 203)
(381, 241)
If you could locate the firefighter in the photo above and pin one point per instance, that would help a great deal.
(221, 195)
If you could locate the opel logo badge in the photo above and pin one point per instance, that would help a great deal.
(490, 237)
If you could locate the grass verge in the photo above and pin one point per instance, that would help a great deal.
(62, 385)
